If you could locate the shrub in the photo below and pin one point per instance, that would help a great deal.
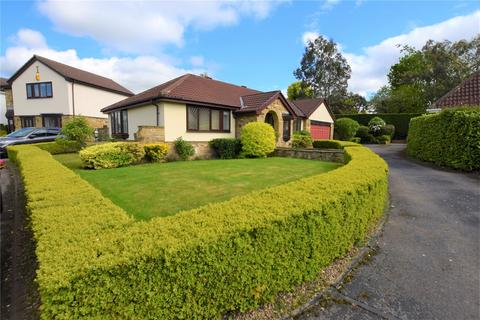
(375, 125)
(362, 132)
(449, 138)
(78, 129)
(155, 152)
(345, 128)
(112, 155)
(94, 261)
(332, 144)
(258, 139)
(401, 121)
(226, 148)
(184, 149)
(383, 139)
(302, 140)
(3, 133)
(356, 139)
(60, 146)
(388, 130)
(369, 138)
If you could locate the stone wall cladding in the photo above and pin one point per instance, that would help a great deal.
(150, 134)
(333, 155)
(92, 121)
(278, 108)
(241, 121)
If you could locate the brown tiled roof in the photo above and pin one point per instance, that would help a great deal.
(190, 88)
(256, 102)
(71, 73)
(466, 93)
(308, 106)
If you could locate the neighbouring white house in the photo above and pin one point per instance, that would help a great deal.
(47, 93)
(200, 109)
(4, 87)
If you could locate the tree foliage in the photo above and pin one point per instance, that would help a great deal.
(323, 69)
(297, 90)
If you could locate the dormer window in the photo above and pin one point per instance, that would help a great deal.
(39, 90)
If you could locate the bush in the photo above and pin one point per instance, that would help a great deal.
(383, 139)
(401, 121)
(345, 129)
(184, 149)
(388, 130)
(369, 139)
(226, 148)
(3, 133)
(356, 139)
(258, 139)
(301, 140)
(94, 261)
(60, 146)
(155, 152)
(78, 129)
(332, 144)
(449, 138)
(112, 155)
(362, 132)
(375, 125)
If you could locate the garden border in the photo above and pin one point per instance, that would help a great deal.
(96, 261)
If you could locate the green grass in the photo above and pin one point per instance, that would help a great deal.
(163, 189)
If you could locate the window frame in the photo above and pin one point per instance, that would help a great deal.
(287, 129)
(121, 132)
(33, 85)
(221, 115)
(297, 125)
(24, 119)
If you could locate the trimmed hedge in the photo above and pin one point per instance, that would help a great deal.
(450, 138)
(60, 146)
(226, 148)
(258, 140)
(399, 120)
(333, 144)
(97, 262)
(112, 155)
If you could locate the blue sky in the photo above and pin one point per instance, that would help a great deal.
(143, 43)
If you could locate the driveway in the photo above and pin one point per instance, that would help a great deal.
(427, 261)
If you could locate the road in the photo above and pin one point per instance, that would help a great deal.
(427, 261)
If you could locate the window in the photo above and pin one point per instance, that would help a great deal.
(298, 125)
(207, 119)
(286, 128)
(119, 121)
(39, 90)
(27, 122)
(52, 120)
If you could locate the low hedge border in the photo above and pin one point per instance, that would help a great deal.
(450, 138)
(95, 261)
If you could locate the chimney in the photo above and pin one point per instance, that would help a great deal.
(205, 75)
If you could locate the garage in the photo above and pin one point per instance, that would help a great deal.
(320, 130)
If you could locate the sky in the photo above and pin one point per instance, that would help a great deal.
(258, 44)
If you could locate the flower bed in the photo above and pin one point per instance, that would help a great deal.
(95, 261)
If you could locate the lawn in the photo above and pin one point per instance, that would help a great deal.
(162, 189)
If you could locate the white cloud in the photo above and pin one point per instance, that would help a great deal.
(137, 73)
(369, 69)
(329, 4)
(142, 26)
(197, 61)
(309, 36)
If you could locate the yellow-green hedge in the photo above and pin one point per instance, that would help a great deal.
(97, 262)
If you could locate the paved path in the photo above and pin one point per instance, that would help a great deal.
(427, 264)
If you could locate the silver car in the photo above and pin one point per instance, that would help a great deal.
(27, 136)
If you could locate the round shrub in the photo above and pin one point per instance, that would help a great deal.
(112, 155)
(258, 139)
(387, 130)
(301, 140)
(375, 125)
(155, 152)
(184, 149)
(383, 139)
(362, 132)
(346, 128)
(226, 148)
(78, 129)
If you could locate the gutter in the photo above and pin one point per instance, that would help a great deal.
(73, 97)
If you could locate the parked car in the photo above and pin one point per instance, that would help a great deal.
(27, 136)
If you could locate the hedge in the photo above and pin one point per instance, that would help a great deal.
(95, 261)
(333, 144)
(450, 138)
(399, 120)
(60, 146)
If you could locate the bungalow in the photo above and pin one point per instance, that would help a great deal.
(200, 109)
(47, 93)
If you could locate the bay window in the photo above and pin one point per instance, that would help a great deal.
(205, 119)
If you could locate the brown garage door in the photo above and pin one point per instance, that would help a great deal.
(320, 130)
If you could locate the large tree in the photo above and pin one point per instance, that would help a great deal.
(324, 69)
(298, 91)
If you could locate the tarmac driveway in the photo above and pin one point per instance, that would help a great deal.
(426, 265)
